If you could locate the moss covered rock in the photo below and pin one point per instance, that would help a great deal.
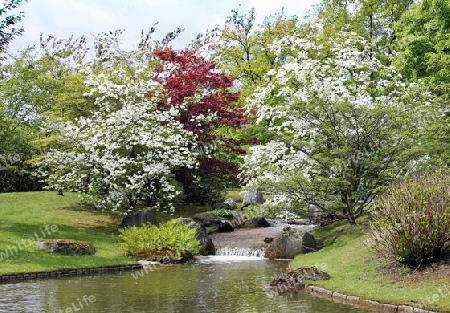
(295, 278)
(68, 246)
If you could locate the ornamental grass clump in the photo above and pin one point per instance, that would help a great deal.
(411, 220)
(172, 241)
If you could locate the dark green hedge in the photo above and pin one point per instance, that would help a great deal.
(13, 178)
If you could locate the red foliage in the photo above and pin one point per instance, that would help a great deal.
(198, 89)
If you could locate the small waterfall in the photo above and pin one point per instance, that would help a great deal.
(241, 252)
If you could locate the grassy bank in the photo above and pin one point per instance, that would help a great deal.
(356, 270)
(24, 217)
(28, 217)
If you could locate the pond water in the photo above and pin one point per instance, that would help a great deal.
(213, 284)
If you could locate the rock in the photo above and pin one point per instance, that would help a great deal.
(285, 282)
(225, 226)
(140, 218)
(268, 239)
(299, 221)
(315, 214)
(252, 197)
(256, 222)
(309, 273)
(68, 246)
(290, 243)
(205, 242)
(240, 220)
(295, 279)
(228, 204)
(208, 220)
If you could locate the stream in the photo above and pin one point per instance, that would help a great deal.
(210, 284)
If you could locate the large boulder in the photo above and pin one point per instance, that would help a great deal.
(256, 222)
(240, 220)
(208, 220)
(290, 243)
(67, 246)
(202, 235)
(148, 216)
(252, 197)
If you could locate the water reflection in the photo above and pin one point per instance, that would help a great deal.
(210, 285)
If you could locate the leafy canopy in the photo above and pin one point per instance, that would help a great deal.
(341, 125)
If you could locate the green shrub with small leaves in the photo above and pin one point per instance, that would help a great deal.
(411, 219)
(171, 240)
(222, 213)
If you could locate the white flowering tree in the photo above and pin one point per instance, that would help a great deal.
(341, 125)
(124, 152)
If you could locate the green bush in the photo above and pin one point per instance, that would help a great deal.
(222, 213)
(411, 220)
(14, 178)
(169, 241)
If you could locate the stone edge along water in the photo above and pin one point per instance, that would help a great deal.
(12, 278)
(357, 301)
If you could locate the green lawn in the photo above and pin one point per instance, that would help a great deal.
(356, 270)
(24, 217)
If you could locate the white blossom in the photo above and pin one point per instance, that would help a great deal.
(125, 150)
(323, 115)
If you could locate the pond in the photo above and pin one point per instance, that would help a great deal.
(212, 284)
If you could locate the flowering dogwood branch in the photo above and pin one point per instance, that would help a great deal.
(341, 123)
(124, 152)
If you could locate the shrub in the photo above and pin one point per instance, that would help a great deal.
(14, 178)
(253, 211)
(222, 213)
(411, 220)
(171, 240)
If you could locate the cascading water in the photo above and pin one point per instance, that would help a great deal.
(241, 252)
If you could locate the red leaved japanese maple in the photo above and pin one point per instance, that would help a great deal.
(202, 95)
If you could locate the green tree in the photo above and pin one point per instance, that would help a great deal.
(34, 88)
(423, 44)
(342, 126)
(423, 52)
(37, 87)
(7, 30)
(372, 19)
(16, 149)
(241, 47)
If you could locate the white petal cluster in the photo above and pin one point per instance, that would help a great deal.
(324, 109)
(125, 150)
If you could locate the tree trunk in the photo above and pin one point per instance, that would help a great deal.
(351, 219)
